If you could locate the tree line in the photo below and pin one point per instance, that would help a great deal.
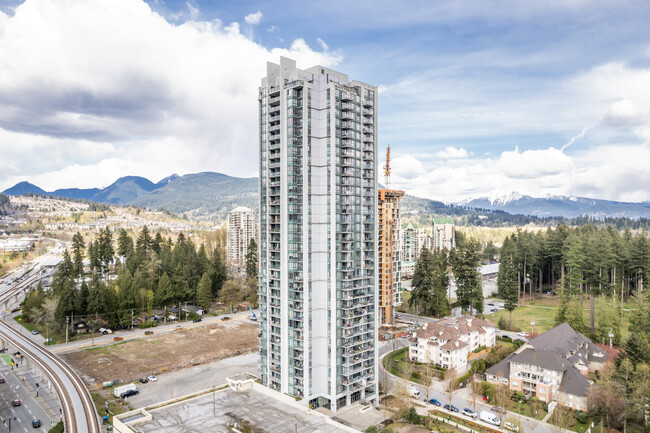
(152, 272)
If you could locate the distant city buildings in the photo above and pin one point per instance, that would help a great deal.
(448, 342)
(552, 367)
(389, 254)
(318, 230)
(242, 227)
(444, 233)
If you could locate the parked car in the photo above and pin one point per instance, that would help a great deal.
(152, 378)
(34, 332)
(148, 332)
(510, 427)
(2, 380)
(506, 337)
(522, 334)
(414, 391)
(490, 418)
(469, 412)
(16, 403)
(498, 409)
(129, 393)
(36, 423)
(197, 320)
(118, 338)
(225, 318)
(144, 380)
(434, 402)
(451, 408)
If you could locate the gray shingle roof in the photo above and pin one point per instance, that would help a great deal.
(574, 383)
(563, 339)
(501, 369)
(543, 358)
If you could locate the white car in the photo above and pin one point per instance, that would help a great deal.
(522, 334)
(152, 378)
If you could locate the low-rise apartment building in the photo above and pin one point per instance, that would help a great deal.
(448, 342)
(552, 367)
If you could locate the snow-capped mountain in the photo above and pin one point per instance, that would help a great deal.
(559, 205)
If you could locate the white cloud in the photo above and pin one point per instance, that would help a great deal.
(534, 164)
(101, 88)
(254, 18)
(272, 29)
(322, 44)
(451, 152)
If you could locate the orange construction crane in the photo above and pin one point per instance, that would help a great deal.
(387, 168)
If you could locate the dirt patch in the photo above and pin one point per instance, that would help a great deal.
(184, 348)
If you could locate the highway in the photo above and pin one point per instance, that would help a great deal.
(79, 413)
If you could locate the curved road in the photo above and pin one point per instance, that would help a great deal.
(79, 413)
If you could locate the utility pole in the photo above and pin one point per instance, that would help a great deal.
(131, 320)
(67, 321)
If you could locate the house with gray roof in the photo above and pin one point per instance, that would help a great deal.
(552, 367)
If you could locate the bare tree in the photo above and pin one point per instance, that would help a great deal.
(501, 395)
(561, 419)
(532, 411)
(450, 376)
(427, 380)
(475, 392)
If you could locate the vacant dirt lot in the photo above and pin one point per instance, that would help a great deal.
(135, 359)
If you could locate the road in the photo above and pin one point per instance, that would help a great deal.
(28, 411)
(461, 398)
(79, 413)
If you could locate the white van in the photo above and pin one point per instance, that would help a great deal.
(414, 391)
(120, 390)
(489, 418)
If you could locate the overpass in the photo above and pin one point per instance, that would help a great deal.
(78, 409)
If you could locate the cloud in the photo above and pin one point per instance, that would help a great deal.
(272, 29)
(625, 113)
(322, 44)
(451, 152)
(254, 18)
(533, 164)
(96, 89)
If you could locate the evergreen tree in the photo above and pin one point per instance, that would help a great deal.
(440, 282)
(465, 263)
(507, 279)
(636, 349)
(251, 259)
(96, 296)
(93, 256)
(204, 292)
(106, 252)
(218, 274)
(82, 303)
(423, 281)
(124, 244)
(164, 294)
(563, 304)
(78, 246)
(574, 316)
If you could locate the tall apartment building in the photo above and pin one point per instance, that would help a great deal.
(318, 204)
(389, 254)
(242, 227)
(412, 240)
(444, 233)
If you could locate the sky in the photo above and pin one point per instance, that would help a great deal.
(477, 98)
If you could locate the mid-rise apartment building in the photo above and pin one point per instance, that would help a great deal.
(242, 227)
(552, 367)
(389, 254)
(447, 343)
(317, 248)
(444, 233)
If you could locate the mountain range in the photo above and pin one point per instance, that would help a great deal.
(211, 196)
(560, 205)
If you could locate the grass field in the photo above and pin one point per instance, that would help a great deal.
(542, 312)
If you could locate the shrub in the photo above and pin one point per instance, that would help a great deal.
(58, 428)
(415, 375)
(412, 416)
(502, 323)
(371, 429)
(149, 324)
(581, 417)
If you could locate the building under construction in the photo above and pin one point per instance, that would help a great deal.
(388, 248)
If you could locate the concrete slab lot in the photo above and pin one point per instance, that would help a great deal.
(263, 413)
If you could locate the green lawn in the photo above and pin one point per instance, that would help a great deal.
(56, 337)
(544, 318)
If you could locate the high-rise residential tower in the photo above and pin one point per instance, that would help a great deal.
(444, 233)
(242, 227)
(389, 254)
(317, 249)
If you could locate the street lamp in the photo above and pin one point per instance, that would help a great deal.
(532, 328)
